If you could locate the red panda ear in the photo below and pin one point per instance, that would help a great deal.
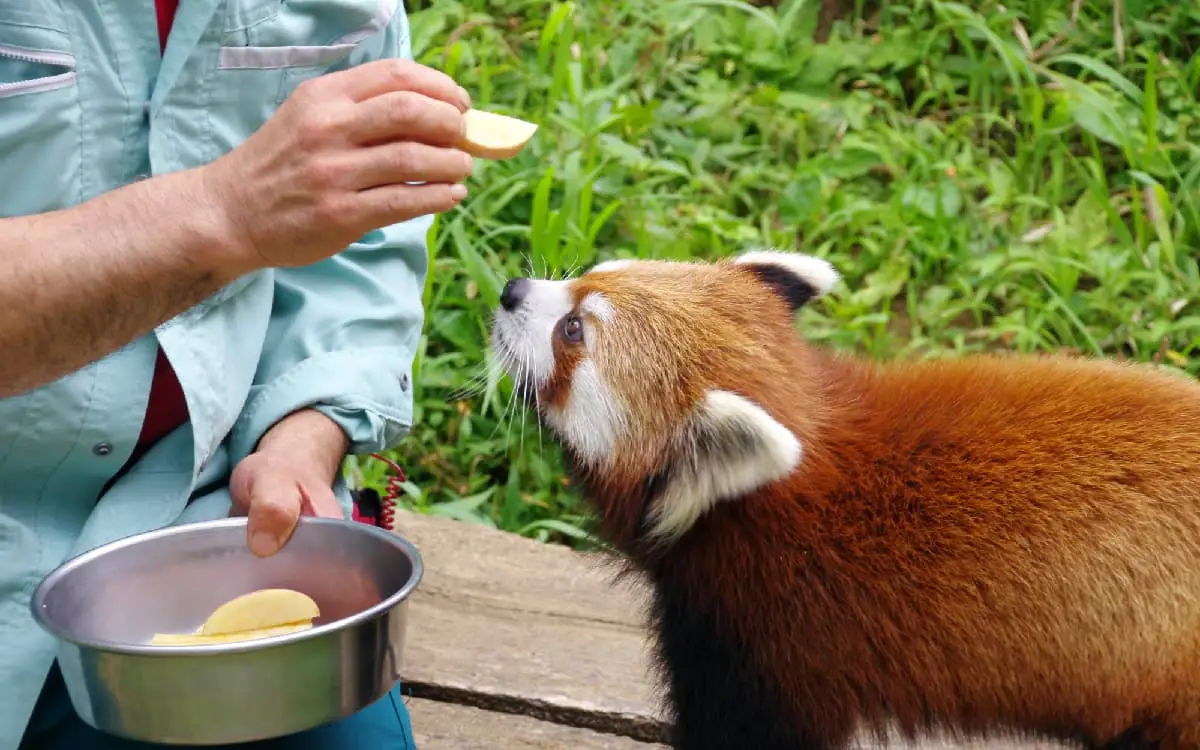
(795, 277)
(729, 447)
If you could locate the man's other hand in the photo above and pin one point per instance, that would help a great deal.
(289, 475)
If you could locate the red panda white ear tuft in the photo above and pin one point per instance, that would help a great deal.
(796, 277)
(729, 447)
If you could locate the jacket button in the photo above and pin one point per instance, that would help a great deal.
(102, 449)
(404, 381)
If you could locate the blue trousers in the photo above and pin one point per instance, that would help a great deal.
(384, 725)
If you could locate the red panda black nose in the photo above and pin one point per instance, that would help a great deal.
(514, 292)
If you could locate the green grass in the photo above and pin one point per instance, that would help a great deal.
(990, 178)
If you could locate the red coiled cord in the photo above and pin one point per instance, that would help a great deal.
(387, 503)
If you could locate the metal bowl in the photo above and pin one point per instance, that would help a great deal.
(105, 605)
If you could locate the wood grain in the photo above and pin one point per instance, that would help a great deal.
(505, 623)
(447, 726)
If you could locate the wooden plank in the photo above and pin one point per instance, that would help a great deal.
(505, 623)
(447, 726)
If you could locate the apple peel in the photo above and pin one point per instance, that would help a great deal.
(259, 614)
(199, 639)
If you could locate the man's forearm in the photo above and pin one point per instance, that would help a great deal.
(79, 283)
(308, 435)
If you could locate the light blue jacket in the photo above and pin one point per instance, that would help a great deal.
(87, 105)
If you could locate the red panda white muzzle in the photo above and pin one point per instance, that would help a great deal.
(982, 544)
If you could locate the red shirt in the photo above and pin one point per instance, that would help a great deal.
(167, 409)
(166, 16)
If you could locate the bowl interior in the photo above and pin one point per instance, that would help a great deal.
(169, 581)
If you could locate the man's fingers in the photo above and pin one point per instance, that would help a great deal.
(274, 510)
(409, 115)
(391, 204)
(407, 162)
(319, 501)
(383, 76)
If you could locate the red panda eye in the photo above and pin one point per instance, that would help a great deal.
(573, 329)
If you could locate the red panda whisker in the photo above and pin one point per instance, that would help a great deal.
(572, 269)
(489, 370)
(537, 410)
(526, 368)
(517, 375)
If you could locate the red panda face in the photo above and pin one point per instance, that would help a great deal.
(654, 369)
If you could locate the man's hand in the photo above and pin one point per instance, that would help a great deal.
(289, 475)
(337, 160)
(333, 164)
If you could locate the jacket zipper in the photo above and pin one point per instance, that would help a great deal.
(41, 57)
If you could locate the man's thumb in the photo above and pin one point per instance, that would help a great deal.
(274, 510)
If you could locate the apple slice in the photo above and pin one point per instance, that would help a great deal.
(197, 639)
(492, 136)
(266, 608)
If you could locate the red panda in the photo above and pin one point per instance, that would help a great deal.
(973, 545)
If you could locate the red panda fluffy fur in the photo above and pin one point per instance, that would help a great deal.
(978, 544)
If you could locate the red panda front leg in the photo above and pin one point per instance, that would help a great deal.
(721, 701)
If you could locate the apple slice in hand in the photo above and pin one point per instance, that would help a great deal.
(492, 136)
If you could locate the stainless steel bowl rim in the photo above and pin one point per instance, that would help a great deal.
(135, 649)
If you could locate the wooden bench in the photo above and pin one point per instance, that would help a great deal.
(518, 645)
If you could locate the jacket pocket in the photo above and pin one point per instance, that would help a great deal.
(271, 46)
(29, 71)
(40, 123)
(272, 34)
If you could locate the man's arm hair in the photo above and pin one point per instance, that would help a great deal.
(337, 160)
(79, 283)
